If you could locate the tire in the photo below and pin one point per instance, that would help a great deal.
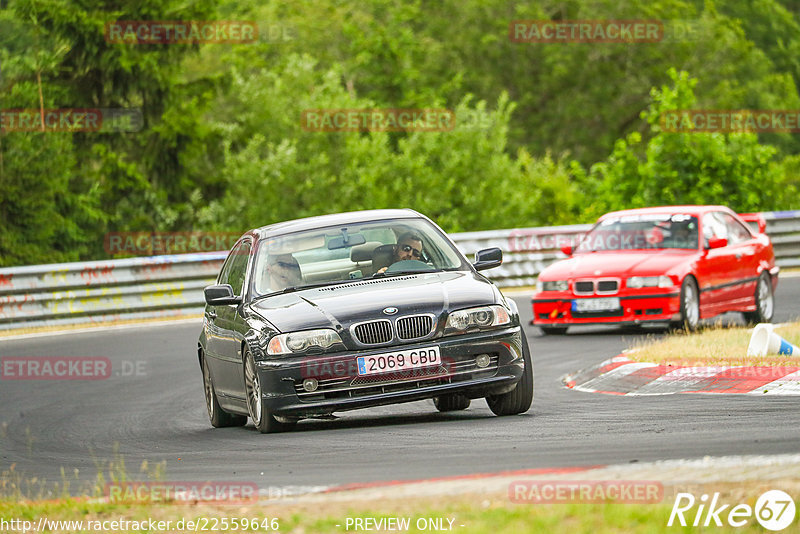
(553, 330)
(519, 399)
(451, 403)
(690, 306)
(219, 418)
(765, 301)
(264, 421)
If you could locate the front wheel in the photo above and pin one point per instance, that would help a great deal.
(519, 399)
(765, 301)
(219, 418)
(690, 305)
(264, 421)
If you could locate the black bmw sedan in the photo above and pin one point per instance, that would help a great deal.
(347, 311)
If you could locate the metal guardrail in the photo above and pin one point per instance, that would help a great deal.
(171, 286)
(101, 291)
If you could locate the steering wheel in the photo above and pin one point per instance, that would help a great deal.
(409, 265)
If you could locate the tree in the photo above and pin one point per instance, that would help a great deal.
(687, 168)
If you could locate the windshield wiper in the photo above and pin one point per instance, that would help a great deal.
(407, 272)
(292, 289)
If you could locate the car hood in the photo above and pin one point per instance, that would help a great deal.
(595, 264)
(365, 300)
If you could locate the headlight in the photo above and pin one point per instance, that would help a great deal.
(554, 285)
(295, 342)
(483, 317)
(635, 282)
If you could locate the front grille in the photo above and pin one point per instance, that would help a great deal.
(585, 287)
(408, 380)
(607, 286)
(373, 332)
(414, 326)
(407, 374)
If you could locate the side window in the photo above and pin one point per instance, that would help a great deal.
(235, 268)
(713, 227)
(737, 232)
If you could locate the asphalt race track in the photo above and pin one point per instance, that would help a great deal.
(152, 408)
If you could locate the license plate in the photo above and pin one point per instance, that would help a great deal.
(398, 360)
(589, 305)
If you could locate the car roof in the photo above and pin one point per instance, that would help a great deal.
(688, 209)
(321, 221)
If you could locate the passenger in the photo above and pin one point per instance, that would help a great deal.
(283, 271)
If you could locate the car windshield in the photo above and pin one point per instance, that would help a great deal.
(351, 252)
(637, 232)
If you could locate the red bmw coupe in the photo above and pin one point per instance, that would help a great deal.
(673, 265)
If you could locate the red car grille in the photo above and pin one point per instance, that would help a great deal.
(586, 287)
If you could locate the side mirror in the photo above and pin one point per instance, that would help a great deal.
(717, 242)
(220, 295)
(756, 219)
(567, 249)
(488, 258)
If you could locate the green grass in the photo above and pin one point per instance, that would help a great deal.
(713, 345)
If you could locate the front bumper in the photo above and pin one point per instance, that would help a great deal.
(341, 388)
(654, 307)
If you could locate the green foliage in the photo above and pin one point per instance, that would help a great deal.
(275, 170)
(688, 168)
(546, 133)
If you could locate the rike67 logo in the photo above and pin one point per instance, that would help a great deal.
(774, 510)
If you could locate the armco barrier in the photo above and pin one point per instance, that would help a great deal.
(101, 291)
(171, 286)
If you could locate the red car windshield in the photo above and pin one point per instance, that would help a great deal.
(642, 232)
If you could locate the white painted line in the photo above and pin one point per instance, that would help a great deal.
(157, 324)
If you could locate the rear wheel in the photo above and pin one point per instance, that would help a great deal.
(451, 403)
(765, 301)
(519, 399)
(263, 420)
(219, 418)
(553, 330)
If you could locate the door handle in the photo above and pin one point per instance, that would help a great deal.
(738, 255)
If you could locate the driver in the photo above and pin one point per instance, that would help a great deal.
(684, 235)
(408, 247)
